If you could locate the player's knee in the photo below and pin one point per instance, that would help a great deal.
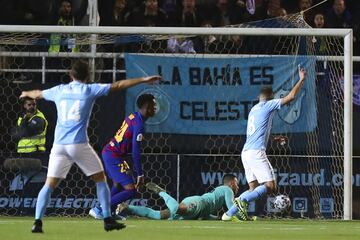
(270, 186)
(98, 177)
(132, 193)
(129, 187)
(253, 185)
(52, 182)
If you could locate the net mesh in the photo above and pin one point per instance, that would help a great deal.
(308, 164)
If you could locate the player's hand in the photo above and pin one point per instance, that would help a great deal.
(23, 94)
(140, 183)
(302, 72)
(281, 139)
(151, 79)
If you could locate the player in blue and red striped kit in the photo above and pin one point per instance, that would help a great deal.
(126, 141)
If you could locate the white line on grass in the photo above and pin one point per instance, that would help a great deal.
(231, 227)
(12, 222)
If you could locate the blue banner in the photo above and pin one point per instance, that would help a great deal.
(208, 95)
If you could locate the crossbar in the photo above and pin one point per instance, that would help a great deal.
(176, 31)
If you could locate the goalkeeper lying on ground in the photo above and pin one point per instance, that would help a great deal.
(204, 207)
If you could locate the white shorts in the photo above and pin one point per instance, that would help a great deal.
(257, 166)
(83, 155)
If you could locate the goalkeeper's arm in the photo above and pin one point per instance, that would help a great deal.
(295, 90)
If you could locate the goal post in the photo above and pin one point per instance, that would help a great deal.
(347, 58)
(348, 124)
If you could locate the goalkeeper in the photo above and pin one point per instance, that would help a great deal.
(203, 207)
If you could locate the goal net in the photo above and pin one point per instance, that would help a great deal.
(210, 82)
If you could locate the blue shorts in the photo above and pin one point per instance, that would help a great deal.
(117, 169)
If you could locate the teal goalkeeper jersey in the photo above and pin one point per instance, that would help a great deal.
(220, 196)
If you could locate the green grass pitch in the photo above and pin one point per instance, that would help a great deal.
(17, 228)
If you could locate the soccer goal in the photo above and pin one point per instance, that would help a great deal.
(211, 79)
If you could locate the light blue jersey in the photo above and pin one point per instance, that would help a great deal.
(259, 124)
(74, 103)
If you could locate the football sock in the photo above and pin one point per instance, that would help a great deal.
(42, 201)
(121, 197)
(103, 194)
(232, 211)
(248, 196)
(144, 212)
(170, 202)
(244, 194)
(114, 190)
(257, 193)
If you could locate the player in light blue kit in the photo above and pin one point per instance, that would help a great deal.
(74, 102)
(205, 207)
(258, 170)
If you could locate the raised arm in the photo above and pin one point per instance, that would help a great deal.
(123, 84)
(34, 94)
(295, 90)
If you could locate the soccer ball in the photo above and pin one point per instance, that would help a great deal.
(282, 202)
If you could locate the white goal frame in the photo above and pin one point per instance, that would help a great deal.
(346, 34)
